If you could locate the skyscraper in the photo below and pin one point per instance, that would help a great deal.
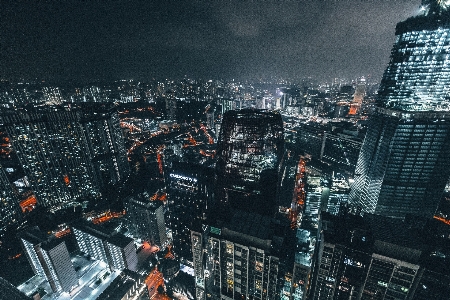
(404, 162)
(249, 151)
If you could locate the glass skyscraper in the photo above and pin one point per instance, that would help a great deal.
(404, 162)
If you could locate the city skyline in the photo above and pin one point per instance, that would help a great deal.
(276, 186)
(81, 41)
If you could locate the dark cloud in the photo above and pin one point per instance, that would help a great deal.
(85, 40)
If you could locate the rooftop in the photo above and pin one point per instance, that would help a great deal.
(251, 224)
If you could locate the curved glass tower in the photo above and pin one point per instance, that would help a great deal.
(404, 162)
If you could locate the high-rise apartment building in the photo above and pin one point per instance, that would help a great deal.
(50, 259)
(404, 162)
(243, 259)
(67, 152)
(104, 243)
(101, 125)
(249, 151)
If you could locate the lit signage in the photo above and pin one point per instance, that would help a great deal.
(216, 230)
(183, 177)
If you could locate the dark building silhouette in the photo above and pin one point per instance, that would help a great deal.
(9, 291)
(249, 151)
(377, 257)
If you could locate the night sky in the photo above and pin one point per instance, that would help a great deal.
(91, 40)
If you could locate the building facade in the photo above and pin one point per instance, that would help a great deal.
(240, 260)
(189, 192)
(106, 245)
(9, 203)
(404, 162)
(376, 257)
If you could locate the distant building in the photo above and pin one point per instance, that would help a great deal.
(210, 119)
(49, 259)
(226, 105)
(171, 107)
(52, 95)
(104, 244)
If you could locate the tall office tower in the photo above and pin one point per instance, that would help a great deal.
(189, 192)
(146, 219)
(210, 119)
(249, 151)
(367, 259)
(104, 243)
(9, 205)
(67, 152)
(50, 259)
(171, 106)
(404, 162)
